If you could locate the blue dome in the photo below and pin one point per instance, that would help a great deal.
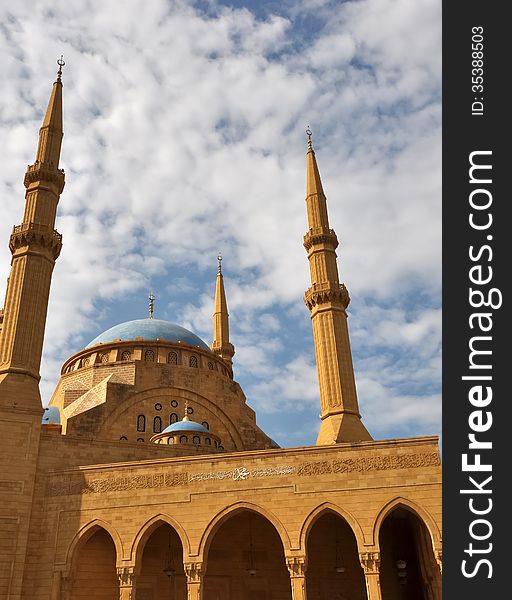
(186, 426)
(51, 415)
(148, 329)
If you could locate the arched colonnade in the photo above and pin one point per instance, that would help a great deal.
(245, 552)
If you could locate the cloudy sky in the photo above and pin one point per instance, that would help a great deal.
(184, 136)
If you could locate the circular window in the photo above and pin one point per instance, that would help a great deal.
(174, 403)
(190, 410)
(158, 406)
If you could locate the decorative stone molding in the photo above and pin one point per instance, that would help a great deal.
(322, 293)
(127, 580)
(297, 565)
(126, 576)
(33, 234)
(439, 558)
(44, 172)
(193, 571)
(370, 561)
(320, 235)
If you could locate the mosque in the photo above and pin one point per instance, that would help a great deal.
(148, 477)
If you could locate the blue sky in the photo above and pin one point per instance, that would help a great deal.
(184, 136)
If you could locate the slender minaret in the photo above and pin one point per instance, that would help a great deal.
(34, 245)
(327, 299)
(221, 344)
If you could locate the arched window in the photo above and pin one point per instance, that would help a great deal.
(173, 418)
(216, 443)
(183, 439)
(196, 439)
(205, 424)
(172, 358)
(126, 355)
(193, 362)
(221, 447)
(149, 356)
(141, 423)
(104, 358)
(210, 366)
(208, 441)
(157, 425)
(140, 439)
(124, 438)
(170, 440)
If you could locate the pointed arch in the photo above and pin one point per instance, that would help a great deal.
(86, 532)
(327, 507)
(228, 512)
(422, 514)
(145, 533)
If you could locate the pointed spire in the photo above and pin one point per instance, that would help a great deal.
(185, 416)
(313, 181)
(327, 300)
(221, 344)
(50, 134)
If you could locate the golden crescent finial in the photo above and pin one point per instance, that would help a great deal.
(309, 133)
(61, 63)
(219, 259)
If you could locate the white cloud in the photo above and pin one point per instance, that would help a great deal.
(184, 135)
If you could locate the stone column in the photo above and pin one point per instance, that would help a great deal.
(370, 561)
(297, 566)
(127, 579)
(194, 573)
(66, 583)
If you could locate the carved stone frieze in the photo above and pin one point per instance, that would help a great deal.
(322, 293)
(76, 484)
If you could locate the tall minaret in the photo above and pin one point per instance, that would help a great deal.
(34, 245)
(221, 344)
(327, 299)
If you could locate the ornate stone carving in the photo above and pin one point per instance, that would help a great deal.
(34, 234)
(43, 172)
(127, 580)
(320, 235)
(193, 571)
(68, 485)
(370, 561)
(321, 293)
(439, 558)
(297, 565)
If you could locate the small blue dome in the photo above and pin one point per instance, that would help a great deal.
(148, 329)
(51, 415)
(186, 426)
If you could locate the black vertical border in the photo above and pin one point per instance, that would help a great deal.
(462, 134)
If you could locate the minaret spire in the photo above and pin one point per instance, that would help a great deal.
(327, 301)
(35, 245)
(221, 344)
